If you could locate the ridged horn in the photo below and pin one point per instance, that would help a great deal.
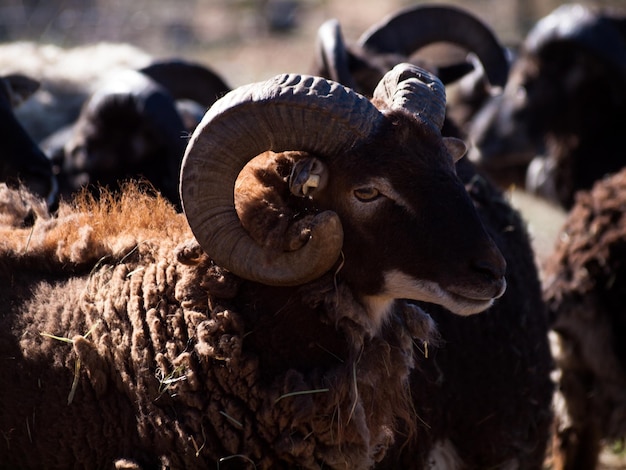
(288, 112)
(415, 27)
(332, 55)
(415, 90)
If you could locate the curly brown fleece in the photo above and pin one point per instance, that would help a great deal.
(163, 367)
(585, 293)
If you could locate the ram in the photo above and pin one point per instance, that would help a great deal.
(262, 335)
(21, 160)
(557, 127)
(458, 47)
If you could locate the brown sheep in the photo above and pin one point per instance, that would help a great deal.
(585, 293)
(129, 340)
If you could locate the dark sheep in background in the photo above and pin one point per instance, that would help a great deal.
(67, 77)
(563, 108)
(194, 86)
(132, 126)
(585, 290)
(247, 354)
(21, 160)
(129, 128)
(121, 131)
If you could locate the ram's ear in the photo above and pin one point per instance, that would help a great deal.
(308, 175)
(456, 147)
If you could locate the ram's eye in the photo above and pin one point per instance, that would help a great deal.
(366, 194)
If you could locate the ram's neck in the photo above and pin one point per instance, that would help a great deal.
(287, 331)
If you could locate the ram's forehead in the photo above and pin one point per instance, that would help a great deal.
(403, 161)
(406, 141)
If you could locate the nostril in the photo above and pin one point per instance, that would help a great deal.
(494, 271)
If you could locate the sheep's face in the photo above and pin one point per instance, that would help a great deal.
(403, 192)
(571, 92)
(501, 130)
(556, 89)
(560, 92)
(109, 137)
(408, 222)
(129, 128)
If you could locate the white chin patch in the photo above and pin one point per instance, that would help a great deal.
(401, 286)
(443, 456)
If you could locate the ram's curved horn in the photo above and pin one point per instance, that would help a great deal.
(289, 112)
(415, 27)
(415, 90)
(332, 53)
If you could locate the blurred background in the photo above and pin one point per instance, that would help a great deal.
(243, 40)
